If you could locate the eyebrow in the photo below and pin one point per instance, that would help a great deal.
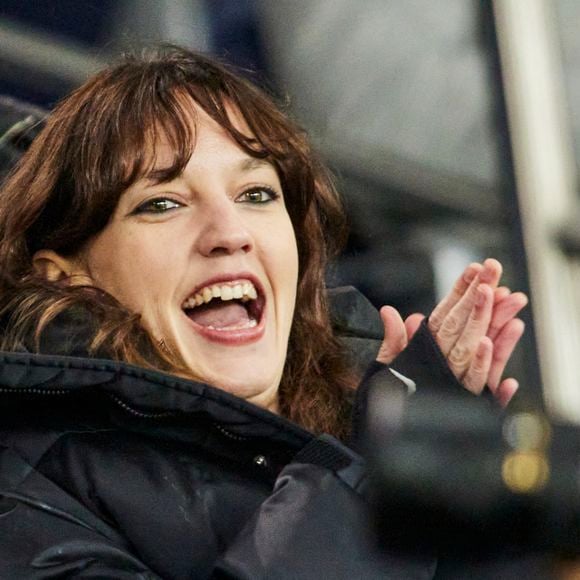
(159, 175)
(252, 163)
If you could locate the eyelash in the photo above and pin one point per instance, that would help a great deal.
(272, 194)
(151, 206)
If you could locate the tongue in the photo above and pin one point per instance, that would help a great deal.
(220, 314)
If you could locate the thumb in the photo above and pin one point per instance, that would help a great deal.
(395, 335)
(412, 323)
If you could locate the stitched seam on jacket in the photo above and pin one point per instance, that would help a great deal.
(30, 500)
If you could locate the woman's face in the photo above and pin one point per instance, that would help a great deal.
(210, 262)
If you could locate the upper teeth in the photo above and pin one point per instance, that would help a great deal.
(240, 291)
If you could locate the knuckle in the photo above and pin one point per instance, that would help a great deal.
(450, 327)
(459, 356)
(478, 367)
(473, 384)
(434, 322)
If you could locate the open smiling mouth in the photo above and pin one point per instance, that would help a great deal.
(228, 307)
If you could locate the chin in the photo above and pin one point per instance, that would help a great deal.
(243, 380)
(251, 371)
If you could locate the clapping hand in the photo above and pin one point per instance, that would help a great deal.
(475, 326)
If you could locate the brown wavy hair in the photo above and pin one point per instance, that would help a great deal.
(93, 147)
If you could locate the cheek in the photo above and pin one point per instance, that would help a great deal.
(131, 270)
(292, 252)
(285, 256)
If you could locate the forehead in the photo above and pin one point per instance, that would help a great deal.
(171, 141)
(210, 142)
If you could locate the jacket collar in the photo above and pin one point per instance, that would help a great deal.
(142, 393)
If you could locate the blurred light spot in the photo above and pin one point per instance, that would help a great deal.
(527, 432)
(525, 472)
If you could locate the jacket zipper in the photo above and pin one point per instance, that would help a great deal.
(229, 434)
(141, 414)
(119, 402)
(32, 391)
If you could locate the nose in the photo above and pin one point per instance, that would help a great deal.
(224, 230)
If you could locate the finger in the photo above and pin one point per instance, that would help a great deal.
(464, 326)
(491, 272)
(463, 351)
(395, 335)
(505, 311)
(459, 288)
(476, 375)
(503, 346)
(505, 392)
(412, 324)
(500, 294)
(456, 321)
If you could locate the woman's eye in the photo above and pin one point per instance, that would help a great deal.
(158, 205)
(259, 195)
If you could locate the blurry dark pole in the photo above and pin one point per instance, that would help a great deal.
(531, 384)
(544, 169)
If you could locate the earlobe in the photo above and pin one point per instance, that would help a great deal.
(53, 267)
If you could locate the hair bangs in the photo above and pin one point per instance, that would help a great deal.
(146, 121)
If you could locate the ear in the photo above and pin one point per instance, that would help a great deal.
(56, 268)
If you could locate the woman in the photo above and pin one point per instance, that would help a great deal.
(168, 357)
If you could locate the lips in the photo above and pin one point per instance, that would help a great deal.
(228, 310)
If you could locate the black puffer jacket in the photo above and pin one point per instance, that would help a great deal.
(112, 471)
